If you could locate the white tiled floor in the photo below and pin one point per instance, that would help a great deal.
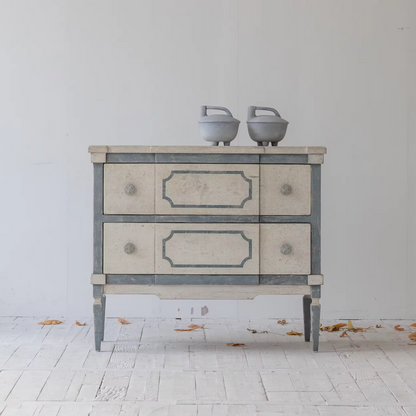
(147, 368)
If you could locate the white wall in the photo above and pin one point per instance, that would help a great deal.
(76, 73)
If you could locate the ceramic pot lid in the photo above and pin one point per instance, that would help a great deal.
(216, 118)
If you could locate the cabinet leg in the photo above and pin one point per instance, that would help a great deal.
(99, 315)
(307, 317)
(316, 318)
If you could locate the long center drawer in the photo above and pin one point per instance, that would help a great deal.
(235, 249)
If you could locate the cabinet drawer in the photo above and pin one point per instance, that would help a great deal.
(129, 189)
(129, 248)
(285, 249)
(199, 189)
(285, 190)
(207, 249)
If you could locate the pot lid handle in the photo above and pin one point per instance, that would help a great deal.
(204, 109)
(268, 109)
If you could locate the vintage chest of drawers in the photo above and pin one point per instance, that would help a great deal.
(207, 223)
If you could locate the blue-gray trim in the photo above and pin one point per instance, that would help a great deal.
(167, 158)
(130, 158)
(217, 266)
(249, 219)
(207, 172)
(98, 212)
(316, 219)
(283, 159)
(185, 219)
(307, 300)
(291, 279)
(206, 158)
(171, 279)
(130, 279)
(277, 219)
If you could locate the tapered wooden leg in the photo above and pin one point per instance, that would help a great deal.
(99, 314)
(316, 317)
(307, 317)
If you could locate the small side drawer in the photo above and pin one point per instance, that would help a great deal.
(129, 248)
(210, 189)
(285, 190)
(285, 249)
(129, 189)
(207, 249)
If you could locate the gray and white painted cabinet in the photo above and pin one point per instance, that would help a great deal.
(207, 223)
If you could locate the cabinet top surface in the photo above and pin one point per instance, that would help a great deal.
(292, 150)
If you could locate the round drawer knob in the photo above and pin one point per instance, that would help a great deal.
(130, 189)
(129, 248)
(286, 189)
(286, 249)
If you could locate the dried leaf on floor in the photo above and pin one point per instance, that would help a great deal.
(294, 333)
(413, 325)
(80, 324)
(191, 327)
(232, 344)
(123, 321)
(379, 326)
(254, 331)
(398, 328)
(410, 344)
(413, 336)
(50, 322)
(343, 334)
(350, 326)
(335, 327)
(282, 322)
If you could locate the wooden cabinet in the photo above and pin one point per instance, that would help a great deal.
(207, 223)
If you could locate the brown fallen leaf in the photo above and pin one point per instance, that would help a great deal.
(80, 324)
(232, 344)
(350, 326)
(414, 325)
(294, 333)
(282, 322)
(343, 334)
(123, 321)
(190, 328)
(379, 326)
(413, 336)
(398, 328)
(335, 327)
(254, 331)
(50, 322)
(410, 344)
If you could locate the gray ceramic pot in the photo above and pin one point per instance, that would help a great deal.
(216, 128)
(266, 129)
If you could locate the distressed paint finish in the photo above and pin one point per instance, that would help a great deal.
(283, 280)
(285, 190)
(129, 189)
(208, 292)
(229, 189)
(202, 280)
(207, 249)
(283, 159)
(206, 280)
(237, 150)
(140, 237)
(273, 237)
(206, 158)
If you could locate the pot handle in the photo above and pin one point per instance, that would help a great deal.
(268, 109)
(204, 109)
